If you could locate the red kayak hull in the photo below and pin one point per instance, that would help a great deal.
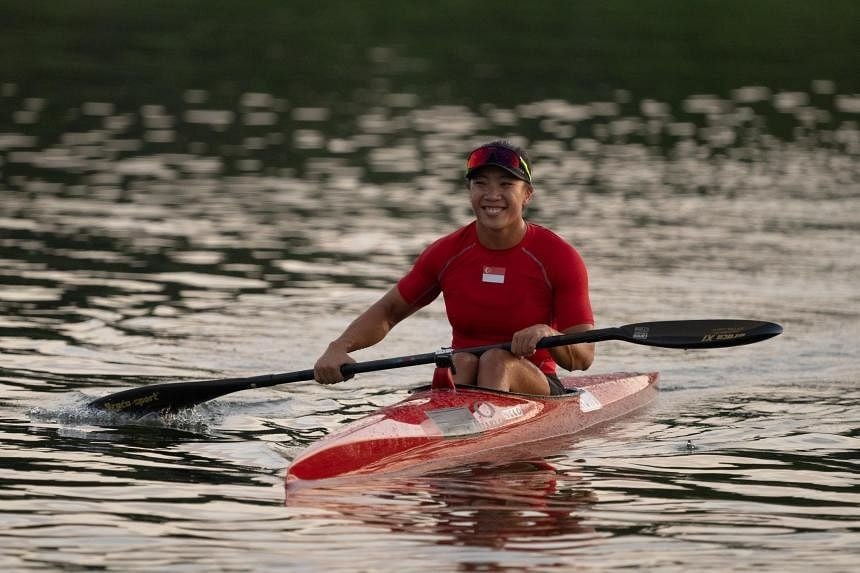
(434, 429)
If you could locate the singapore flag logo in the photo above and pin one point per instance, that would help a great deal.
(494, 275)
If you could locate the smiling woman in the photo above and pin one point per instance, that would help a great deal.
(500, 184)
(502, 279)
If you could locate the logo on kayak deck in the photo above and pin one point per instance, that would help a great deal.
(484, 409)
(640, 332)
(494, 275)
(490, 416)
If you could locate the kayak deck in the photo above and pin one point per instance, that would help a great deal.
(439, 428)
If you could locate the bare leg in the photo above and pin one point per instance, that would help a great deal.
(465, 369)
(500, 370)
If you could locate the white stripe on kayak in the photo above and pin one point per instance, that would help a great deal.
(588, 402)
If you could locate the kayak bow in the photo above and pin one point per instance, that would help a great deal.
(437, 428)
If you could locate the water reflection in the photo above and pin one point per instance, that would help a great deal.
(131, 221)
(492, 505)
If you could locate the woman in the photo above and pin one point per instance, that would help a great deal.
(502, 279)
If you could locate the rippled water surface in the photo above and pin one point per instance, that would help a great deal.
(184, 239)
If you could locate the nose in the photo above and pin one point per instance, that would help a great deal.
(493, 190)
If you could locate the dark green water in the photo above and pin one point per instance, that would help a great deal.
(201, 189)
(445, 51)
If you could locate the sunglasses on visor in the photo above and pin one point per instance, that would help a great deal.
(496, 155)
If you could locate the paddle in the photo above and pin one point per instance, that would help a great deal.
(668, 334)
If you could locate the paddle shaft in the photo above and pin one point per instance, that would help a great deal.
(688, 334)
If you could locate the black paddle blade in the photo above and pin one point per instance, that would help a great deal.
(692, 334)
(168, 397)
(174, 396)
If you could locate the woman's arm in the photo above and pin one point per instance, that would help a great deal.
(570, 357)
(367, 329)
(574, 356)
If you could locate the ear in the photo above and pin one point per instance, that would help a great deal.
(529, 192)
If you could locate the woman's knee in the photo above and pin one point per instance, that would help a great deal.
(496, 356)
(465, 368)
(464, 360)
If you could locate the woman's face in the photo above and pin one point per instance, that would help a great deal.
(498, 198)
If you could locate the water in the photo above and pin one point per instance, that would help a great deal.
(213, 232)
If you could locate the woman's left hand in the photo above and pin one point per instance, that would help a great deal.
(524, 342)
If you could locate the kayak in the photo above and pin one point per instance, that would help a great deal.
(441, 426)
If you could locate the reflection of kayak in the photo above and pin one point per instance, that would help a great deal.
(440, 427)
(481, 504)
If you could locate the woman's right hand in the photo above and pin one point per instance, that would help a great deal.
(327, 367)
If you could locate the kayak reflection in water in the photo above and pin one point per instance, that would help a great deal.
(480, 505)
(502, 278)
